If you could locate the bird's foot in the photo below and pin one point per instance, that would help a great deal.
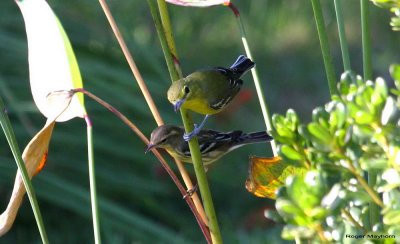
(190, 135)
(191, 191)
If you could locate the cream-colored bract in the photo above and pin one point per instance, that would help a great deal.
(198, 3)
(52, 63)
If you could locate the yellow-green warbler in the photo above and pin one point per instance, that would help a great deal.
(208, 91)
(213, 144)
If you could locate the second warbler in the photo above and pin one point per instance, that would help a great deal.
(213, 144)
(209, 91)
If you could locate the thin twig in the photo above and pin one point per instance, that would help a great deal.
(173, 68)
(256, 79)
(142, 137)
(131, 63)
(352, 220)
(149, 100)
(92, 182)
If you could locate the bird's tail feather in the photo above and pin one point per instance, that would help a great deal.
(255, 137)
(242, 65)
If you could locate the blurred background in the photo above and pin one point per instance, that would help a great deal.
(138, 201)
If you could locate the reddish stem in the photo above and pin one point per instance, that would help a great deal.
(189, 201)
(233, 8)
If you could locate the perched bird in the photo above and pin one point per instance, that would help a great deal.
(213, 144)
(208, 91)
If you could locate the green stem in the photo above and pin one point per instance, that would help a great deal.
(323, 39)
(171, 173)
(166, 40)
(366, 39)
(257, 83)
(374, 209)
(9, 133)
(92, 182)
(350, 218)
(342, 36)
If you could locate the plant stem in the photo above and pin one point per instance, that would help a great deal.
(323, 39)
(374, 196)
(9, 133)
(257, 83)
(132, 64)
(175, 74)
(188, 124)
(92, 183)
(366, 40)
(320, 232)
(342, 36)
(352, 220)
(374, 210)
(149, 100)
(171, 173)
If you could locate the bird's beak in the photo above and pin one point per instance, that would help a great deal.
(179, 104)
(149, 147)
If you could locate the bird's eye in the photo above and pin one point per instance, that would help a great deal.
(164, 140)
(186, 89)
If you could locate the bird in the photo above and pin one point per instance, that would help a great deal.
(213, 144)
(208, 91)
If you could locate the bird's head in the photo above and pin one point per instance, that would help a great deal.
(179, 92)
(163, 136)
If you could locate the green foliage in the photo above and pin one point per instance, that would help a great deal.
(394, 6)
(352, 134)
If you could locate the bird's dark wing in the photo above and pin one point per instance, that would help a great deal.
(211, 140)
(226, 95)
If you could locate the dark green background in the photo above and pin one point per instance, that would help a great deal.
(139, 203)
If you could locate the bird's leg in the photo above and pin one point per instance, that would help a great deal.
(190, 191)
(196, 130)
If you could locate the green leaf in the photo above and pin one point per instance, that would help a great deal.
(363, 131)
(395, 71)
(292, 232)
(293, 120)
(282, 129)
(320, 132)
(288, 208)
(392, 218)
(368, 163)
(321, 116)
(341, 137)
(389, 112)
(285, 132)
(337, 116)
(380, 92)
(306, 191)
(290, 153)
(363, 118)
(278, 120)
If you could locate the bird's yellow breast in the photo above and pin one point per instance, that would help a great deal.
(199, 105)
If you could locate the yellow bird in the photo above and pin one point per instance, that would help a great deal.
(208, 91)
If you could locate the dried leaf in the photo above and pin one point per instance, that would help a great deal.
(33, 156)
(52, 62)
(198, 3)
(266, 175)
